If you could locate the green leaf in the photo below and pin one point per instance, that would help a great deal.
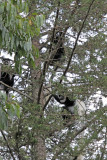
(3, 119)
(12, 42)
(40, 20)
(17, 110)
(20, 23)
(1, 8)
(37, 52)
(8, 7)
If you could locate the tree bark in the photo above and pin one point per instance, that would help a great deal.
(39, 146)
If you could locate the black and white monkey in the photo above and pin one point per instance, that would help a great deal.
(5, 77)
(58, 42)
(71, 105)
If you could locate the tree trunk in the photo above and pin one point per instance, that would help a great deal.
(39, 147)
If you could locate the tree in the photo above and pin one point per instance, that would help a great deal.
(40, 132)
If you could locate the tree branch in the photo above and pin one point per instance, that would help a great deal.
(65, 143)
(45, 64)
(7, 144)
(77, 40)
(104, 148)
(14, 89)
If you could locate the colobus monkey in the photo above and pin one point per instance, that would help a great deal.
(70, 105)
(60, 51)
(6, 77)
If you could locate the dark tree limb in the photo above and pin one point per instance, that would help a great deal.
(47, 102)
(46, 63)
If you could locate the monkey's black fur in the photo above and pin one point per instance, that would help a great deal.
(7, 79)
(68, 104)
(64, 101)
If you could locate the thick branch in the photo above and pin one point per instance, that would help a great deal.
(53, 33)
(45, 64)
(47, 102)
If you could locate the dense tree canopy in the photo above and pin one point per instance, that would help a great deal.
(37, 130)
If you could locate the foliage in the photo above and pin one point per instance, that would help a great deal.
(81, 73)
(16, 29)
(7, 110)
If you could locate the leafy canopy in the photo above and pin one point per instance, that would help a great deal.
(17, 27)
